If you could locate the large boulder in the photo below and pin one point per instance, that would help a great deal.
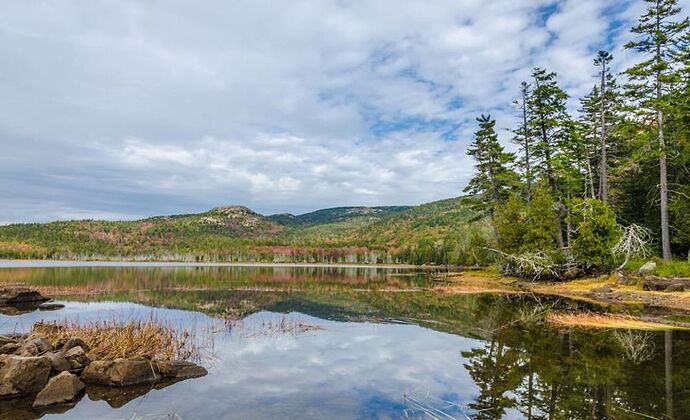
(34, 346)
(76, 358)
(179, 369)
(120, 372)
(20, 376)
(9, 348)
(647, 268)
(6, 340)
(58, 361)
(17, 294)
(62, 388)
(74, 342)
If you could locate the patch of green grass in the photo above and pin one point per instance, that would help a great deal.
(675, 268)
(678, 318)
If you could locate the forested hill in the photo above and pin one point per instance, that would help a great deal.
(435, 232)
(338, 214)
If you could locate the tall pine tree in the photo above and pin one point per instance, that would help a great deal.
(602, 61)
(524, 140)
(549, 124)
(659, 34)
(495, 180)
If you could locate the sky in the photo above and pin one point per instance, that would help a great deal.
(127, 109)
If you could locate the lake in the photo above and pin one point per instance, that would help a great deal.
(358, 343)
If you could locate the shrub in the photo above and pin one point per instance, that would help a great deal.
(595, 232)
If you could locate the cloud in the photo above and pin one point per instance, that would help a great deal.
(127, 108)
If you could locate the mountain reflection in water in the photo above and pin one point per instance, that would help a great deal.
(372, 353)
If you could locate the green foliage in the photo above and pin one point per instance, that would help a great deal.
(540, 232)
(510, 225)
(548, 111)
(494, 179)
(595, 232)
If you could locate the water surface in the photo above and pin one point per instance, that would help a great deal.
(382, 346)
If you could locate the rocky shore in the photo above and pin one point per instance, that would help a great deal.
(43, 372)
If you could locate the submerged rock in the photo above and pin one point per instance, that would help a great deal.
(18, 294)
(20, 376)
(50, 306)
(120, 372)
(62, 388)
(180, 369)
(117, 397)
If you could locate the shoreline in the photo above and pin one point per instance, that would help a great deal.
(608, 291)
(143, 264)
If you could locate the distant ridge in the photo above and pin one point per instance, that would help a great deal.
(384, 234)
(337, 215)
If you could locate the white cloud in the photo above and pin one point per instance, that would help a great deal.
(144, 108)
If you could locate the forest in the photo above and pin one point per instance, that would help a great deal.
(609, 182)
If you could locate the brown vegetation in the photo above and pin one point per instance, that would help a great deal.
(109, 340)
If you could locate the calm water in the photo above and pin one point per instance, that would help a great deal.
(386, 348)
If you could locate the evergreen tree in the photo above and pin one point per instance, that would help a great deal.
(541, 232)
(596, 232)
(650, 81)
(549, 119)
(589, 106)
(494, 179)
(510, 226)
(524, 140)
(607, 83)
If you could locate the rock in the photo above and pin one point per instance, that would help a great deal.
(74, 342)
(677, 287)
(647, 268)
(664, 284)
(9, 348)
(50, 306)
(571, 273)
(58, 362)
(17, 294)
(6, 340)
(20, 376)
(117, 397)
(120, 372)
(76, 358)
(60, 389)
(179, 369)
(34, 347)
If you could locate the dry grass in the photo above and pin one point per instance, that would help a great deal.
(592, 320)
(108, 340)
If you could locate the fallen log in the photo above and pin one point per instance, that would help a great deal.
(666, 284)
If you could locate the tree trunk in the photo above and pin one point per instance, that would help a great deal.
(603, 172)
(528, 175)
(663, 176)
(663, 190)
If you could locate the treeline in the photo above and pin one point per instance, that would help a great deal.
(579, 181)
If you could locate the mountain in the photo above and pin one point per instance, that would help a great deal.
(429, 232)
(337, 214)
